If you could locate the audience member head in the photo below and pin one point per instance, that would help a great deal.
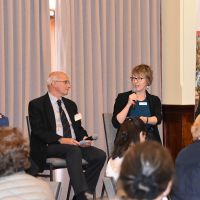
(147, 172)
(14, 151)
(195, 129)
(58, 84)
(143, 71)
(131, 131)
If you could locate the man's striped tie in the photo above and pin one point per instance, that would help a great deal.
(65, 123)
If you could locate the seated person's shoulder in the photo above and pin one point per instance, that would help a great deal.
(154, 97)
(123, 96)
(125, 93)
(37, 100)
(69, 101)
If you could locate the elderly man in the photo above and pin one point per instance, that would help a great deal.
(57, 132)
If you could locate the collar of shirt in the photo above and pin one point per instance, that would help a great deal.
(53, 99)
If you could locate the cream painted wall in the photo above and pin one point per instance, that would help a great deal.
(178, 52)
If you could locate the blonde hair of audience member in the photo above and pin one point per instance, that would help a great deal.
(14, 151)
(195, 129)
(147, 172)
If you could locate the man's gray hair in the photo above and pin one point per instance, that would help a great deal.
(50, 79)
(53, 76)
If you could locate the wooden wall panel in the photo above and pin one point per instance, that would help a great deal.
(177, 121)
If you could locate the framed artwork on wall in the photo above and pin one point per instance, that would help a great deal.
(197, 80)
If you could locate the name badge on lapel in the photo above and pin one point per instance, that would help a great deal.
(77, 117)
(142, 103)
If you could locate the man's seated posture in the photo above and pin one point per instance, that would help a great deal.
(57, 132)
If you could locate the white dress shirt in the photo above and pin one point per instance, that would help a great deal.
(59, 127)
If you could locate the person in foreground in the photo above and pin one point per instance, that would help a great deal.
(57, 132)
(132, 131)
(139, 102)
(14, 182)
(188, 168)
(147, 172)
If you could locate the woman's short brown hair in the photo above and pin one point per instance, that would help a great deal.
(144, 70)
(14, 151)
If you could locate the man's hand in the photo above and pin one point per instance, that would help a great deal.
(70, 141)
(86, 143)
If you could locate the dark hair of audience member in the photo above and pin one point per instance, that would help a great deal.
(128, 133)
(14, 151)
(147, 171)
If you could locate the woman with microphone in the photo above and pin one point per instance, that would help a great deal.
(139, 103)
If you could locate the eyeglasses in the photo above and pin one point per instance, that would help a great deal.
(65, 82)
(134, 78)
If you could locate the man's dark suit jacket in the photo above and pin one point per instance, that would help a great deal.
(43, 126)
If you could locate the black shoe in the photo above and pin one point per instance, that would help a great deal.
(74, 197)
(83, 196)
(89, 195)
(80, 196)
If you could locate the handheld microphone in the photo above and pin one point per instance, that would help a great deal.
(92, 138)
(134, 91)
(85, 141)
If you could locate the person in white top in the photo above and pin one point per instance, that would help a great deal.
(14, 182)
(132, 131)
